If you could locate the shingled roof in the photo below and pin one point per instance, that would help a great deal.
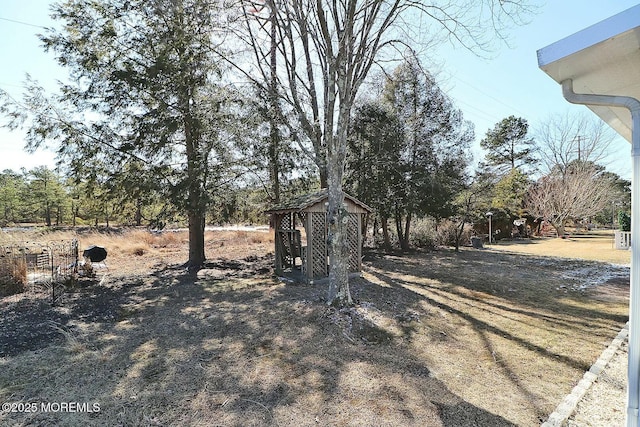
(306, 200)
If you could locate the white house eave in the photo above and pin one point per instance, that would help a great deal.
(603, 59)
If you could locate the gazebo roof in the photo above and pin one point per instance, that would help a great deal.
(305, 201)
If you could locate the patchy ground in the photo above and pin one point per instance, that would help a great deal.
(479, 338)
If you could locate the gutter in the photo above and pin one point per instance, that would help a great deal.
(633, 105)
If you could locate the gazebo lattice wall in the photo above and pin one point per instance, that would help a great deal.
(306, 254)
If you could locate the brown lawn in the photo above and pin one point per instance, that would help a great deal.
(491, 337)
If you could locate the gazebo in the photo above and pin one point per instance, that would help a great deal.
(301, 249)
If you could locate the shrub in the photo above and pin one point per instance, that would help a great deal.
(423, 233)
(428, 233)
(138, 251)
(624, 220)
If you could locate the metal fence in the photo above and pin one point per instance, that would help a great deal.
(38, 267)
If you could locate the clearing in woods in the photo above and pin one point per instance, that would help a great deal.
(493, 337)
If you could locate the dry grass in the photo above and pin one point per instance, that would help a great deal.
(595, 246)
(13, 276)
(133, 251)
(478, 338)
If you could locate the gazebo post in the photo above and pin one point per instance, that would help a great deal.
(309, 257)
(277, 220)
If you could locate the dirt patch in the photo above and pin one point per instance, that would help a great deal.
(31, 321)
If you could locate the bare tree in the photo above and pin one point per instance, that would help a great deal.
(577, 193)
(565, 139)
(327, 50)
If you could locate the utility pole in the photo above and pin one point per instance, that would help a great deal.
(578, 138)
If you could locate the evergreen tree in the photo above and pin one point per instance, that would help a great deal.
(509, 146)
(373, 171)
(434, 154)
(12, 197)
(49, 197)
(144, 85)
(510, 192)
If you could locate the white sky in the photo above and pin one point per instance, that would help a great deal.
(486, 90)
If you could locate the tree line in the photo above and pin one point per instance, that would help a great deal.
(192, 110)
(407, 157)
(44, 197)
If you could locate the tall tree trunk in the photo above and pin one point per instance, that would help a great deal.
(196, 240)
(407, 225)
(274, 169)
(337, 215)
(324, 180)
(274, 113)
(339, 293)
(196, 203)
(47, 214)
(195, 214)
(399, 229)
(459, 232)
(138, 218)
(385, 234)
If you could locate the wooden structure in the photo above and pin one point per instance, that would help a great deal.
(300, 225)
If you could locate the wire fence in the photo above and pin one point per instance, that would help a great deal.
(38, 267)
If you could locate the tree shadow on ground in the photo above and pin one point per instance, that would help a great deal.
(174, 349)
(533, 331)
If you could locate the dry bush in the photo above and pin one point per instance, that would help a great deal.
(142, 236)
(13, 276)
(170, 238)
(423, 233)
(261, 237)
(154, 239)
(428, 233)
(447, 234)
(72, 342)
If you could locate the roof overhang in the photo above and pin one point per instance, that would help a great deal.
(300, 203)
(603, 59)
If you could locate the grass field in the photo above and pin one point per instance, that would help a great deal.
(492, 337)
(594, 246)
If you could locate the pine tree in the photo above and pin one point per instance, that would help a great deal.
(144, 86)
(434, 153)
(509, 146)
